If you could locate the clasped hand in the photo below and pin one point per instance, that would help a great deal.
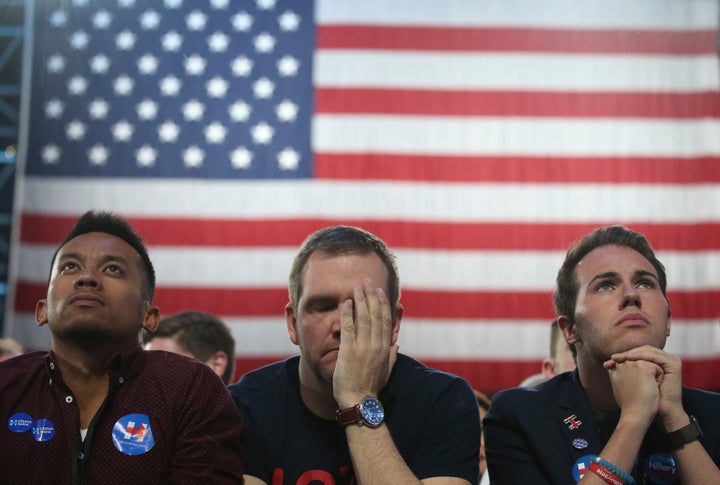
(648, 381)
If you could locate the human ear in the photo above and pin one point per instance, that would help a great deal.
(151, 318)
(569, 329)
(291, 323)
(41, 312)
(218, 362)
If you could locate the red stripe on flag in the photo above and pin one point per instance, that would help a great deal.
(479, 39)
(440, 305)
(243, 233)
(517, 103)
(510, 168)
(490, 376)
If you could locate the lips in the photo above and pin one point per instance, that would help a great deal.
(633, 319)
(86, 299)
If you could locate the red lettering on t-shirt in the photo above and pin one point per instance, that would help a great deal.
(321, 476)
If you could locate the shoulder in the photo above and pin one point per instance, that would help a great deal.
(437, 387)
(267, 380)
(409, 372)
(160, 361)
(27, 360)
(173, 371)
(702, 404)
(527, 398)
(22, 366)
(700, 396)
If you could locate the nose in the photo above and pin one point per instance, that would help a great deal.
(335, 325)
(631, 297)
(87, 278)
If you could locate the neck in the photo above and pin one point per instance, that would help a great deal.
(316, 393)
(596, 384)
(79, 361)
(85, 374)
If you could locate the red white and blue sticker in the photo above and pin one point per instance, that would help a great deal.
(132, 434)
(572, 422)
(582, 466)
(660, 469)
(20, 422)
(43, 430)
(580, 443)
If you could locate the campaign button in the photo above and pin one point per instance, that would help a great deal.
(579, 443)
(43, 430)
(660, 469)
(20, 422)
(132, 434)
(581, 466)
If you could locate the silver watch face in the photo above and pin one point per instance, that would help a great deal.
(372, 411)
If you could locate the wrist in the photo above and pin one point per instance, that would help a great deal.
(349, 399)
(674, 422)
(639, 422)
(368, 412)
(682, 436)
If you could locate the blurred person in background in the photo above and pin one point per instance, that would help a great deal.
(561, 359)
(9, 348)
(200, 335)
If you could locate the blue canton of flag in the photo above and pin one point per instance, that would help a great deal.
(172, 89)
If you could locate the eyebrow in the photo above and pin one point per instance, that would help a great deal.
(614, 274)
(105, 259)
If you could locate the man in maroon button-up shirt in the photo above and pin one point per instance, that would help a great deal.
(97, 408)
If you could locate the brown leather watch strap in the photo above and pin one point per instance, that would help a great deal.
(350, 416)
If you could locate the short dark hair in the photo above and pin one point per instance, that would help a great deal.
(567, 287)
(113, 224)
(202, 334)
(340, 240)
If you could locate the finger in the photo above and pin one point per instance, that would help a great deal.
(374, 311)
(393, 355)
(646, 352)
(609, 364)
(347, 325)
(363, 325)
(385, 317)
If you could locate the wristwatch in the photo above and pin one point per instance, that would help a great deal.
(683, 436)
(368, 412)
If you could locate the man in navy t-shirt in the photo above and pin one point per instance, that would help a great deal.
(350, 409)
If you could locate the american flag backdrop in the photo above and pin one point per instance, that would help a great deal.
(477, 138)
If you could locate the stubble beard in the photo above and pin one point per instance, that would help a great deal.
(86, 333)
(323, 372)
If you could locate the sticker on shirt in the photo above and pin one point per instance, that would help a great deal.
(20, 422)
(132, 434)
(580, 443)
(572, 422)
(660, 469)
(43, 430)
(581, 466)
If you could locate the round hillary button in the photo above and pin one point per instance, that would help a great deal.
(132, 434)
(582, 466)
(20, 422)
(43, 430)
(660, 469)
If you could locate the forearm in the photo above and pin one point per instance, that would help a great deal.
(375, 457)
(622, 448)
(695, 465)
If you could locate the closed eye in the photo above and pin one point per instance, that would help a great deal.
(321, 305)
